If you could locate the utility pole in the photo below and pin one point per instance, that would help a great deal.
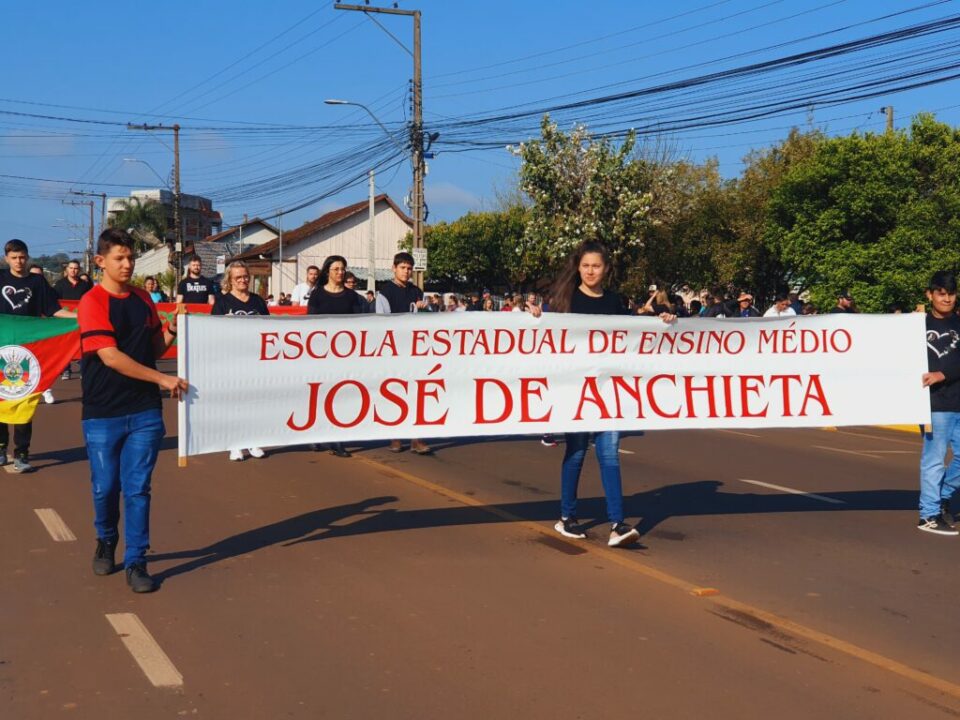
(371, 240)
(416, 127)
(178, 224)
(103, 205)
(888, 109)
(88, 253)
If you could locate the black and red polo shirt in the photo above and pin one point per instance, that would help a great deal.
(128, 322)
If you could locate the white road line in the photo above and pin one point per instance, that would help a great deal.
(876, 437)
(861, 453)
(155, 664)
(55, 525)
(625, 452)
(737, 432)
(793, 491)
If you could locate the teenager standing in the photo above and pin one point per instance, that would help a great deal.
(120, 339)
(580, 289)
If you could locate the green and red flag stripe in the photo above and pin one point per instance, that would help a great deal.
(33, 353)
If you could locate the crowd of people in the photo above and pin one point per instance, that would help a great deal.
(121, 338)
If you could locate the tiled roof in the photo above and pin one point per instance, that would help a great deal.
(228, 231)
(311, 228)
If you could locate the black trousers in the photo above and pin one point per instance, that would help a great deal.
(21, 437)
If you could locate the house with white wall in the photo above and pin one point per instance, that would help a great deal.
(346, 232)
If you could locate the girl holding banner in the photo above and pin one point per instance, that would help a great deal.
(579, 289)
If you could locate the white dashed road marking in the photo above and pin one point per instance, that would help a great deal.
(55, 525)
(158, 668)
(861, 453)
(793, 491)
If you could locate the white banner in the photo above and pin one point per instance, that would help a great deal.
(266, 381)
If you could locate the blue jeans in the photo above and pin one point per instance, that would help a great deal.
(936, 481)
(122, 452)
(607, 446)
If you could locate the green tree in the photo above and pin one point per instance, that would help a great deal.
(877, 214)
(476, 250)
(146, 221)
(581, 188)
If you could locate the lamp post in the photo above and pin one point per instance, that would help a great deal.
(371, 257)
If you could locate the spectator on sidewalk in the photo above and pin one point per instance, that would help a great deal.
(301, 292)
(195, 288)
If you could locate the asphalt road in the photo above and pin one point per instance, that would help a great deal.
(780, 574)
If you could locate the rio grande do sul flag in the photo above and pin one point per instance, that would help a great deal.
(33, 352)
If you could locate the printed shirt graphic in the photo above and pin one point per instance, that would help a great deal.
(26, 296)
(195, 290)
(943, 355)
(33, 353)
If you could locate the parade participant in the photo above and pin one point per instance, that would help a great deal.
(26, 294)
(69, 287)
(120, 338)
(236, 299)
(579, 289)
(401, 296)
(332, 297)
(938, 483)
(488, 305)
(301, 293)
(152, 287)
(781, 307)
(195, 288)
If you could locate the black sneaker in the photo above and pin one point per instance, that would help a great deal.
(622, 535)
(568, 527)
(139, 580)
(104, 562)
(936, 524)
(945, 513)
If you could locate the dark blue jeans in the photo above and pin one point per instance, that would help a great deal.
(607, 447)
(122, 453)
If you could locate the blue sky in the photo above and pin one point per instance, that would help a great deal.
(247, 81)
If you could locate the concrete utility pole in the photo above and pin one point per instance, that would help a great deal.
(371, 240)
(88, 253)
(416, 128)
(888, 109)
(103, 205)
(178, 225)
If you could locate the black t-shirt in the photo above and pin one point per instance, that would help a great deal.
(322, 302)
(68, 291)
(401, 298)
(195, 290)
(607, 304)
(230, 304)
(29, 296)
(943, 355)
(129, 323)
(838, 309)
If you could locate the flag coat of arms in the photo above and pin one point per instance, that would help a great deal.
(33, 353)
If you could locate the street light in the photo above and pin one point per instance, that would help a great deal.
(144, 162)
(371, 250)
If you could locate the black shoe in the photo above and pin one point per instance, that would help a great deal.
(104, 561)
(622, 535)
(936, 524)
(139, 580)
(338, 450)
(945, 513)
(569, 527)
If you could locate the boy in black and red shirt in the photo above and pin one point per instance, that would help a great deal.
(120, 339)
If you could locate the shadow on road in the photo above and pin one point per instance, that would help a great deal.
(653, 507)
(286, 532)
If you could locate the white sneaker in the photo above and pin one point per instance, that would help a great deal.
(48, 397)
(236, 454)
(256, 452)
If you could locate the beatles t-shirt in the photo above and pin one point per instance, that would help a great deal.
(195, 290)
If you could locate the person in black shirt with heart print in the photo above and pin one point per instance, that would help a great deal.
(28, 295)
